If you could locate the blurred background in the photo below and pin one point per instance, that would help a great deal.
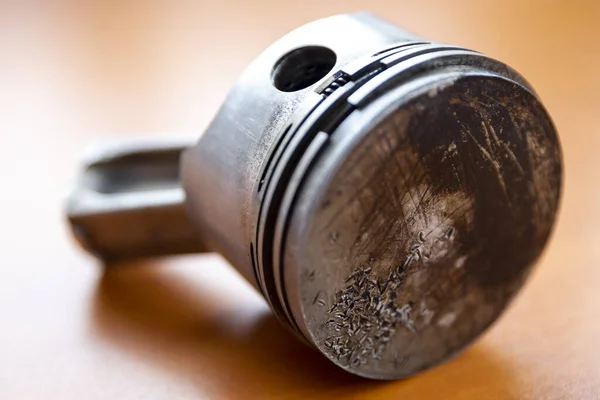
(72, 72)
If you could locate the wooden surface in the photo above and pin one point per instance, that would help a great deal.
(187, 328)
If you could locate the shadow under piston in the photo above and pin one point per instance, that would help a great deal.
(191, 331)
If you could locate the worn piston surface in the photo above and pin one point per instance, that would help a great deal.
(388, 195)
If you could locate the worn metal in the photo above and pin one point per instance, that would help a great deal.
(128, 202)
(388, 195)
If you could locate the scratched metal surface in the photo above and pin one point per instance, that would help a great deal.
(429, 226)
(72, 72)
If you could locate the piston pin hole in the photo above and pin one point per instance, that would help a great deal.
(302, 67)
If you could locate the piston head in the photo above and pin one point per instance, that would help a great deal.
(389, 195)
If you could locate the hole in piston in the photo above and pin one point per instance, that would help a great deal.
(303, 67)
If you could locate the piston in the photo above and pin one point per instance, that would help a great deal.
(388, 195)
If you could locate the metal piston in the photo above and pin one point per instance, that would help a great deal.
(387, 195)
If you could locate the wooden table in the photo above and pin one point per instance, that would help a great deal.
(75, 72)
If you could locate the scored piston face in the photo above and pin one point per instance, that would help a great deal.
(413, 235)
(427, 227)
